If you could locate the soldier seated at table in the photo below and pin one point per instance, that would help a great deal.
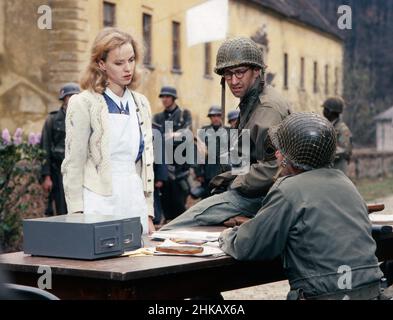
(313, 217)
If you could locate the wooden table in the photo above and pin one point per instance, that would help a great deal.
(152, 277)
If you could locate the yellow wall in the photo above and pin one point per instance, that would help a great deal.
(297, 41)
(196, 92)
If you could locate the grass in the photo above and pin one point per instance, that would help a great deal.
(372, 189)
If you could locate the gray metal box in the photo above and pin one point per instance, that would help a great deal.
(80, 236)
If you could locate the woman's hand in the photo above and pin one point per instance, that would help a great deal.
(151, 226)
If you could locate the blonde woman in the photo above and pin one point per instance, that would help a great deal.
(109, 153)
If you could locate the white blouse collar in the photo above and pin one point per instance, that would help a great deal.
(127, 97)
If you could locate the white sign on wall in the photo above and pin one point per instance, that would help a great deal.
(207, 22)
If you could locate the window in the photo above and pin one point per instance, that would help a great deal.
(176, 46)
(285, 71)
(326, 79)
(315, 77)
(336, 75)
(208, 55)
(302, 73)
(147, 38)
(109, 14)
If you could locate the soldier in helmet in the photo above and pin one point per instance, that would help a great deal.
(301, 221)
(240, 64)
(214, 162)
(232, 118)
(53, 142)
(176, 189)
(332, 108)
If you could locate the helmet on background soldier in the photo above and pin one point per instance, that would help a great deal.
(168, 91)
(233, 115)
(334, 104)
(69, 89)
(214, 111)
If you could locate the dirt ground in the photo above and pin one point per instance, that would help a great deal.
(279, 290)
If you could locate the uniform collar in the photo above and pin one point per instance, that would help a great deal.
(169, 113)
(336, 121)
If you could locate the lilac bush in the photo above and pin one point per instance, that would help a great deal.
(20, 159)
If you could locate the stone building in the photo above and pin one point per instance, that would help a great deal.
(303, 52)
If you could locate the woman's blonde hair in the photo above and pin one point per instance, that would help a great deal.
(108, 39)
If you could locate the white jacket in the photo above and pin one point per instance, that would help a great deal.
(87, 155)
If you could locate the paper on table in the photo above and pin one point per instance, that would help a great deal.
(381, 218)
(208, 250)
(186, 235)
(141, 252)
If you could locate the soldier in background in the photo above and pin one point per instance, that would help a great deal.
(207, 171)
(332, 108)
(176, 189)
(160, 172)
(53, 143)
(232, 118)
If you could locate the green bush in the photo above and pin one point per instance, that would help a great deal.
(20, 192)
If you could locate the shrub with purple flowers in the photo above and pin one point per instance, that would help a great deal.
(20, 163)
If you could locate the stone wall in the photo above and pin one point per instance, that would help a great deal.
(36, 62)
(369, 163)
(68, 42)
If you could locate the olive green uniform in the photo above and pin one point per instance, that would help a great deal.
(258, 112)
(344, 145)
(317, 222)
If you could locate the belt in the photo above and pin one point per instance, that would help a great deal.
(367, 292)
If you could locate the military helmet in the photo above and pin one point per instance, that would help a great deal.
(214, 110)
(233, 115)
(334, 104)
(168, 91)
(236, 52)
(69, 89)
(306, 139)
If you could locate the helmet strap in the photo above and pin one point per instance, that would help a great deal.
(283, 165)
(277, 175)
(223, 99)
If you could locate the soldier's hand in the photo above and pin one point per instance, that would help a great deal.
(47, 184)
